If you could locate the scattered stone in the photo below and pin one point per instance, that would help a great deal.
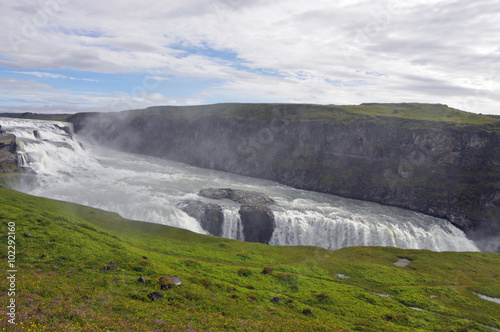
(402, 262)
(307, 311)
(28, 235)
(155, 296)
(142, 279)
(36, 133)
(167, 282)
(342, 276)
(109, 267)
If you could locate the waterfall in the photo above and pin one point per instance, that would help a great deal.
(232, 227)
(149, 189)
(334, 231)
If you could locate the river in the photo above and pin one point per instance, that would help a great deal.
(149, 189)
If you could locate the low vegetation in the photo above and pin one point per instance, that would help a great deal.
(80, 269)
(410, 115)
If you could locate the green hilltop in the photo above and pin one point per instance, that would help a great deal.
(78, 270)
(416, 115)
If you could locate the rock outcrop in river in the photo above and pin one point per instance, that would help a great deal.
(8, 155)
(427, 158)
(257, 219)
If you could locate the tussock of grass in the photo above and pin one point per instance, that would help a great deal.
(223, 287)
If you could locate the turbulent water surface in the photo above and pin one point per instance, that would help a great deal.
(149, 189)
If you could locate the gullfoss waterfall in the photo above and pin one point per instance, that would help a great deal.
(150, 189)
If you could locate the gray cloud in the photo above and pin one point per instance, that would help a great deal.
(436, 51)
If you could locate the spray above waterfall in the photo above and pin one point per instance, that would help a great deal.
(150, 189)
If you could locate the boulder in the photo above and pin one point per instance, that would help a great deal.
(210, 216)
(258, 222)
(239, 196)
(307, 311)
(109, 267)
(155, 296)
(166, 282)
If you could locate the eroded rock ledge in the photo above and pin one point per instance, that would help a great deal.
(238, 196)
(257, 218)
(8, 154)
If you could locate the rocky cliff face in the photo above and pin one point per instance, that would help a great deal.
(427, 158)
(8, 155)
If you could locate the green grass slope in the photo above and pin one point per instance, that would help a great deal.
(409, 115)
(60, 285)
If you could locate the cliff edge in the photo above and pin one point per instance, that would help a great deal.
(424, 157)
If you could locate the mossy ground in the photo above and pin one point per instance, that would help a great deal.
(224, 288)
(408, 115)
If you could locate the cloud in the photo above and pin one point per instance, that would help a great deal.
(50, 75)
(28, 96)
(285, 51)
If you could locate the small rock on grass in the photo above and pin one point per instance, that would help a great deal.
(155, 296)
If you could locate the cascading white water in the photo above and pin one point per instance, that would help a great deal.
(232, 227)
(333, 231)
(149, 189)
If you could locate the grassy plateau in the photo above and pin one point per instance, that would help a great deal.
(78, 269)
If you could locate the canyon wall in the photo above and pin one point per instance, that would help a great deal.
(427, 158)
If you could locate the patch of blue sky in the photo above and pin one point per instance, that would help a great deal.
(61, 79)
(82, 33)
(263, 71)
(240, 98)
(374, 73)
(228, 57)
(14, 102)
(348, 83)
(205, 50)
(4, 58)
(102, 83)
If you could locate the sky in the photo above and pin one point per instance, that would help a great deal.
(64, 56)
